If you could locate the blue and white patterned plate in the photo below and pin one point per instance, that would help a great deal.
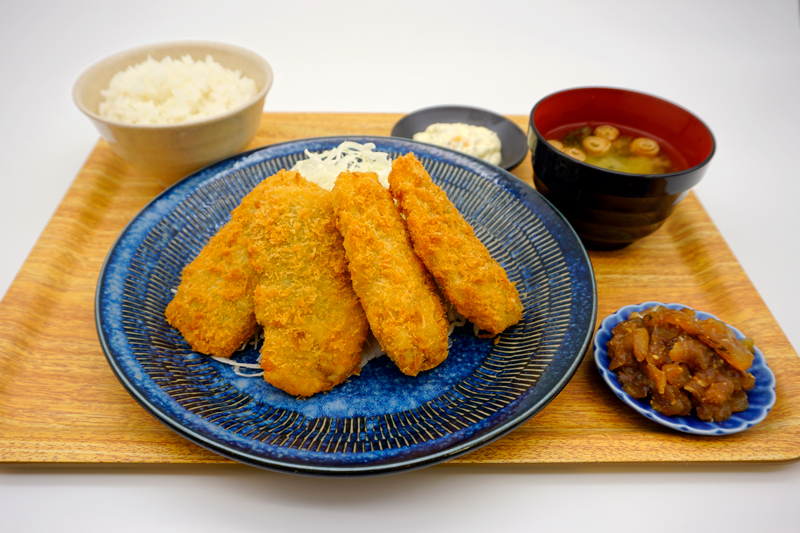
(761, 397)
(381, 421)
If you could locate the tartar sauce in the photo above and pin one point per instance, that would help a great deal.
(473, 140)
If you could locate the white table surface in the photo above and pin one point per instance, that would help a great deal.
(734, 63)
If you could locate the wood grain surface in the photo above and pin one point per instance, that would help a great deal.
(61, 403)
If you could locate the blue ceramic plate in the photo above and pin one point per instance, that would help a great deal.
(513, 142)
(761, 397)
(381, 421)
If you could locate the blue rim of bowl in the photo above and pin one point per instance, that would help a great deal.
(762, 397)
(117, 347)
(512, 155)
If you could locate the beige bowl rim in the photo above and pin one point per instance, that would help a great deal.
(83, 79)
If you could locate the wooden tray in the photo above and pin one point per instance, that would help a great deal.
(60, 402)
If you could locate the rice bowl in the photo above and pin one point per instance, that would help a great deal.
(169, 152)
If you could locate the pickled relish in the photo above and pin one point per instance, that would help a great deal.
(683, 364)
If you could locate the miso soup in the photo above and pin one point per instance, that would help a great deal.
(618, 148)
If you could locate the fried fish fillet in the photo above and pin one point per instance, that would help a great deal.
(469, 277)
(314, 325)
(213, 307)
(403, 305)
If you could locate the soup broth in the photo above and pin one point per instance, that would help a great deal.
(616, 147)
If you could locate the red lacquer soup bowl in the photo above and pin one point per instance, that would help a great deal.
(610, 209)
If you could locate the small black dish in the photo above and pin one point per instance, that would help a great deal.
(514, 146)
(609, 209)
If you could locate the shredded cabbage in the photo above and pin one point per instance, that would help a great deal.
(237, 366)
(324, 168)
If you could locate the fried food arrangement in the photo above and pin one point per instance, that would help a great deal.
(401, 301)
(318, 269)
(314, 325)
(469, 277)
(213, 307)
(682, 363)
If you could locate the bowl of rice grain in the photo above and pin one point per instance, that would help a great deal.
(172, 108)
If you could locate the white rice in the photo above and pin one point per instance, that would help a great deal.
(174, 91)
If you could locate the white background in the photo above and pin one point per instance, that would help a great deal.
(736, 64)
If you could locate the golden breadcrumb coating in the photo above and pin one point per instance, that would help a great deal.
(469, 277)
(399, 296)
(213, 307)
(314, 325)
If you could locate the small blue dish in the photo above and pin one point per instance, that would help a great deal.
(761, 396)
